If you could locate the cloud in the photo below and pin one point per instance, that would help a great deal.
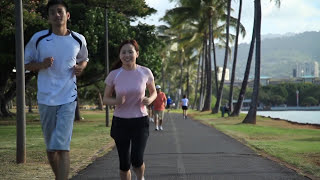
(293, 16)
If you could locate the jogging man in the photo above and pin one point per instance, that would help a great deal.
(58, 55)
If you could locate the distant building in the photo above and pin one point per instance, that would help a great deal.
(226, 76)
(306, 69)
(316, 69)
(264, 80)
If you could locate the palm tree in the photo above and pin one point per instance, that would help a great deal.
(235, 59)
(219, 95)
(251, 116)
(237, 108)
(197, 83)
(198, 14)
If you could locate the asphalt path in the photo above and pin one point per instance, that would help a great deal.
(187, 149)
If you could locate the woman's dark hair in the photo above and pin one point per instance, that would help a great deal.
(55, 2)
(118, 63)
(184, 96)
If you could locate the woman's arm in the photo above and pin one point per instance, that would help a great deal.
(153, 94)
(109, 100)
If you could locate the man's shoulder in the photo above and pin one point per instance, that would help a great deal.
(78, 35)
(40, 33)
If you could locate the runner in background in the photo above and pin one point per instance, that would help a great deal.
(169, 102)
(184, 104)
(159, 105)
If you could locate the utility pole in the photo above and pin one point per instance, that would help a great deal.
(107, 60)
(21, 116)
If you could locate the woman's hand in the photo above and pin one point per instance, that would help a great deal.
(146, 101)
(120, 99)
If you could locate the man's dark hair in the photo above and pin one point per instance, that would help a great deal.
(55, 2)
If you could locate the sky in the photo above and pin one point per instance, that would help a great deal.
(293, 16)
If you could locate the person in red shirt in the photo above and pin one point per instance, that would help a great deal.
(159, 105)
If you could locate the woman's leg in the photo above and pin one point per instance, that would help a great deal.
(139, 171)
(125, 175)
(138, 145)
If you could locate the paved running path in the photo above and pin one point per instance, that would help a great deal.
(187, 149)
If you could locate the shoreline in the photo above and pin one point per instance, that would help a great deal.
(315, 126)
(288, 108)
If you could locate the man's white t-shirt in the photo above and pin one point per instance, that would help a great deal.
(57, 84)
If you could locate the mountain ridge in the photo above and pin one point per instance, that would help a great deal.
(279, 55)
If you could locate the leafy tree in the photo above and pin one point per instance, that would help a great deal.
(277, 100)
(309, 101)
(32, 21)
(87, 18)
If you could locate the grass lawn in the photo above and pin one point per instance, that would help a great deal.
(90, 139)
(297, 146)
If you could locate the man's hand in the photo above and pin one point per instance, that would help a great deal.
(78, 68)
(47, 62)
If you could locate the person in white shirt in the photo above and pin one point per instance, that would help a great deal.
(184, 104)
(58, 55)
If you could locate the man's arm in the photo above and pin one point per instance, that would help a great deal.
(36, 66)
(78, 68)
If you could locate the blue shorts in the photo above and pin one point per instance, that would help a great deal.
(57, 125)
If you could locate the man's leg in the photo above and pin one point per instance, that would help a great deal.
(60, 164)
(61, 138)
(53, 160)
(156, 118)
(48, 122)
(63, 165)
(161, 116)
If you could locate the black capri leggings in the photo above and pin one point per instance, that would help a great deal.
(134, 131)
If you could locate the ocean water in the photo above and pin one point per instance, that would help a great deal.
(310, 117)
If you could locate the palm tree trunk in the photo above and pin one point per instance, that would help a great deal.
(207, 102)
(234, 60)
(215, 65)
(204, 74)
(180, 81)
(163, 76)
(238, 106)
(187, 89)
(202, 78)
(252, 114)
(197, 84)
(220, 91)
